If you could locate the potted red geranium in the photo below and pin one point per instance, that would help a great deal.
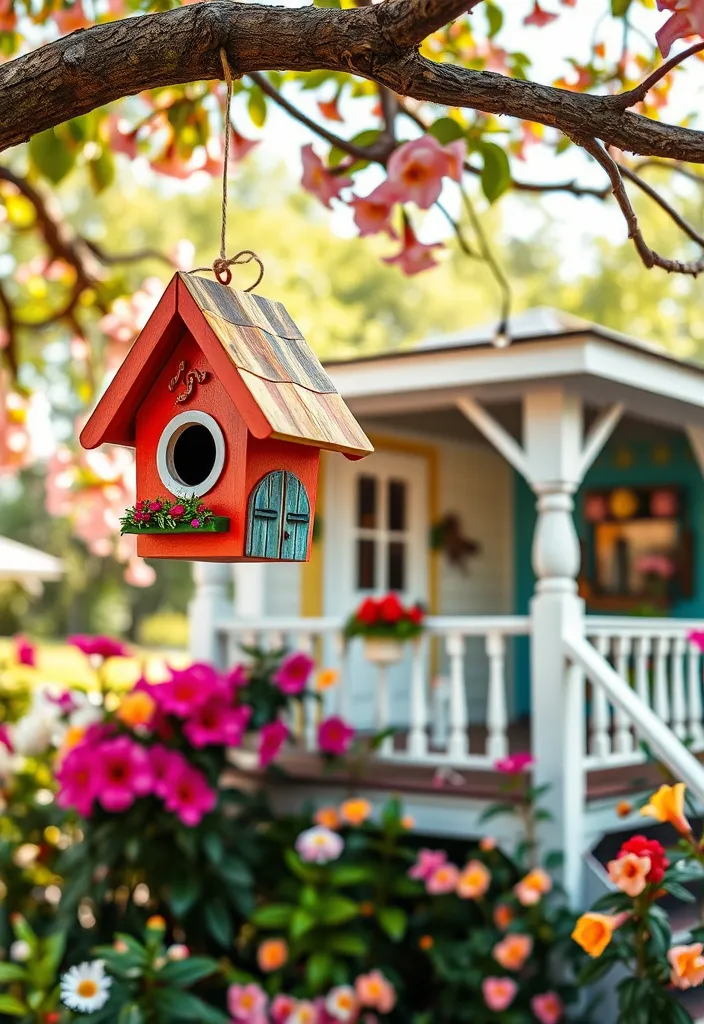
(385, 624)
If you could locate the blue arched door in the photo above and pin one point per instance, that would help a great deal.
(279, 518)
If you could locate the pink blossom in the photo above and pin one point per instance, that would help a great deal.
(372, 214)
(548, 1008)
(293, 673)
(195, 523)
(166, 766)
(319, 845)
(335, 736)
(414, 256)
(217, 723)
(99, 646)
(235, 678)
(499, 993)
(282, 1008)
(539, 17)
(240, 146)
(189, 796)
(427, 863)
(122, 773)
(657, 565)
(318, 179)
(687, 19)
(271, 739)
(416, 169)
(77, 777)
(176, 510)
(443, 880)
(5, 738)
(25, 652)
(247, 1003)
(375, 991)
(514, 764)
(696, 637)
(188, 689)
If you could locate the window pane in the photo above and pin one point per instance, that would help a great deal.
(366, 502)
(397, 505)
(366, 564)
(397, 565)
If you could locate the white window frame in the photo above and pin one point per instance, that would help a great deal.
(165, 453)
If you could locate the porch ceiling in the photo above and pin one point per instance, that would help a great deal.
(652, 385)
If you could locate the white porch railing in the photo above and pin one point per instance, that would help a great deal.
(664, 671)
(442, 709)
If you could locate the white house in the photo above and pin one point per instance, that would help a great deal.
(573, 462)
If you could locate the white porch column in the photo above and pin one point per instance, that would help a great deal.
(249, 590)
(552, 439)
(211, 603)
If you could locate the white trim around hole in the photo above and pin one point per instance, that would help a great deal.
(165, 453)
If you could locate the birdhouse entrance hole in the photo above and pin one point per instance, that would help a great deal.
(191, 454)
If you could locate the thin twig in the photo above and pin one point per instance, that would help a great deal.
(649, 257)
(628, 99)
(663, 204)
(10, 349)
(112, 258)
(489, 258)
(457, 228)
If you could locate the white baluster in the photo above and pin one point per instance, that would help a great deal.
(342, 697)
(600, 745)
(458, 746)
(382, 709)
(418, 737)
(623, 737)
(679, 697)
(496, 714)
(440, 717)
(661, 699)
(309, 705)
(642, 653)
(694, 696)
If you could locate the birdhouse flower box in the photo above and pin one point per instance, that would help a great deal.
(228, 409)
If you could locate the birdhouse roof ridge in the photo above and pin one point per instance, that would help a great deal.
(258, 353)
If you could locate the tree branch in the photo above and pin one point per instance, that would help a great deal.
(653, 194)
(406, 23)
(92, 67)
(649, 257)
(10, 349)
(636, 95)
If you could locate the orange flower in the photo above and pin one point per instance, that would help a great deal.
(503, 916)
(687, 965)
(513, 951)
(136, 709)
(271, 955)
(355, 812)
(630, 873)
(408, 822)
(624, 808)
(426, 942)
(593, 932)
(668, 805)
(474, 881)
(326, 679)
(375, 991)
(72, 737)
(533, 887)
(487, 844)
(327, 817)
(156, 923)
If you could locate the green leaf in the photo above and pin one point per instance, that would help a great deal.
(679, 892)
(394, 922)
(620, 7)
(102, 170)
(183, 973)
(257, 106)
(184, 893)
(337, 910)
(237, 872)
(306, 872)
(596, 969)
(348, 944)
(496, 173)
(219, 922)
(12, 1007)
(174, 1004)
(351, 874)
(362, 139)
(11, 972)
(495, 18)
(318, 971)
(309, 897)
(446, 129)
(276, 915)
(130, 1014)
(213, 847)
(301, 922)
(50, 155)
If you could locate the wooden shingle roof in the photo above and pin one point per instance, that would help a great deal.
(272, 374)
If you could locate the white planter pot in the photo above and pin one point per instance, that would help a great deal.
(382, 651)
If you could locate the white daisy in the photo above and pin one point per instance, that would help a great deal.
(86, 988)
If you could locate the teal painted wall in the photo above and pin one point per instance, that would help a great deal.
(646, 469)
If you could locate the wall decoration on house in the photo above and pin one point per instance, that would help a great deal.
(595, 508)
(446, 535)
(623, 458)
(636, 555)
(245, 445)
(661, 454)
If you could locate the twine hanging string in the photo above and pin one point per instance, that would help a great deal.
(221, 266)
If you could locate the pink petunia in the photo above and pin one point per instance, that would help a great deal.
(687, 19)
(318, 179)
(5, 737)
(335, 736)
(499, 993)
(99, 646)
(271, 739)
(122, 773)
(427, 863)
(696, 637)
(443, 880)
(548, 1008)
(217, 723)
(247, 1003)
(187, 690)
(514, 764)
(25, 652)
(372, 214)
(282, 1008)
(189, 796)
(166, 766)
(414, 256)
(293, 673)
(76, 777)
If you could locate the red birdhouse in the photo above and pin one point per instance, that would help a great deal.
(228, 409)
